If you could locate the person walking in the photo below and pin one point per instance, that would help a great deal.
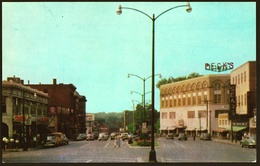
(117, 141)
(194, 137)
(228, 136)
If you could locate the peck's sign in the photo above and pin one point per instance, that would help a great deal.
(219, 67)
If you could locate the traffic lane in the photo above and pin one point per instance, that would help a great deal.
(203, 151)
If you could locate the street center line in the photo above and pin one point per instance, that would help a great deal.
(106, 145)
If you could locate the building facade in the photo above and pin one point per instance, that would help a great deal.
(24, 111)
(244, 78)
(66, 107)
(192, 106)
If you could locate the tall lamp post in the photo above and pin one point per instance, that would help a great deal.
(152, 154)
(143, 100)
(144, 79)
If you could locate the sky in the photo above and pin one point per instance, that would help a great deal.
(89, 45)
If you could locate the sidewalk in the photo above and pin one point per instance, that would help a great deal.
(226, 141)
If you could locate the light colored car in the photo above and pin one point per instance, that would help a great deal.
(56, 139)
(81, 136)
(90, 136)
(102, 136)
(124, 136)
(113, 135)
(249, 141)
(170, 136)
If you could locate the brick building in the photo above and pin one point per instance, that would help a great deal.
(66, 106)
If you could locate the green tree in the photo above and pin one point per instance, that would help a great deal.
(164, 81)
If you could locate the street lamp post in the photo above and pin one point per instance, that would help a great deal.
(143, 96)
(143, 100)
(152, 154)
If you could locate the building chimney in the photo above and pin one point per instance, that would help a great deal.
(54, 81)
(22, 82)
(28, 82)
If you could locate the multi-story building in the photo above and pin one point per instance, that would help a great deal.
(244, 78)
(24, 111)
(193, 105)
(67, 107)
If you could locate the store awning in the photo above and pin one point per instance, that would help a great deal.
(171, 128)
(218, 129)
(236, 128)
(202, 129)
(190, 129)
(163, 128)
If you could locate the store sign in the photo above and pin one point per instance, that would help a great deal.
(43, 119)
(90, 117)
(232, 102)
(219, 67)
(19, 118)
(53, 111)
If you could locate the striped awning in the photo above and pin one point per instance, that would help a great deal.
(237, 128)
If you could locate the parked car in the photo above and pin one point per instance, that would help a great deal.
(249, 141)
(182, 136)
(205, 136)
(81, 136)
(65, 140)
(95, 133)
(90, 136)
(170, 136)
(124, 136)
(133, 137)
(102, 136)
(55, 139)
(113, 135)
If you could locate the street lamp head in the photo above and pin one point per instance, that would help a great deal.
(128, 76)
(119, 10)
(131, 92)
(188, 9)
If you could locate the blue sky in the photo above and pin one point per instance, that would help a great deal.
(89, 45)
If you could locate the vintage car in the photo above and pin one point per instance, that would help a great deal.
(249, 141)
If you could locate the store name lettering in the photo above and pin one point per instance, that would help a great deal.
(219, 67)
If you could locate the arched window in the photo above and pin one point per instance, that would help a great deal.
(217, 92)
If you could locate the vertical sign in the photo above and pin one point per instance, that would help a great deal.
(232, 102)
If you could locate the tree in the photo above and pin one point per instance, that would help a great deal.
(164, 81)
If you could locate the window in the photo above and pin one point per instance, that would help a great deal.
(162, 105)
(189, 100)
(170, 102)
(3, 105)
(199, 99)
(191, 114)
(244, 76)
(164, 115)
(245, 99)
(175, 102)
(194, 100)
(241, 78)
(172, 115)
(202, 114)
(217, 92)
(238, 78)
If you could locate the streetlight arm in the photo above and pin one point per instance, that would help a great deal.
(187, 5)
(154, 75)
(136, 92)
(135, 76)
(120, 7)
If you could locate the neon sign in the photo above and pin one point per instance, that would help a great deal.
(219, 67)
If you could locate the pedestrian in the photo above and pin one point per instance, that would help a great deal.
(228, 136)
(117, 142)
(194, 137)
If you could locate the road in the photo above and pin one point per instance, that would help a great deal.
(172, 151)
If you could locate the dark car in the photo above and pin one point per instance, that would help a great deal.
(170, 136)
(205, 136)
(249, 141)
(182, 136)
